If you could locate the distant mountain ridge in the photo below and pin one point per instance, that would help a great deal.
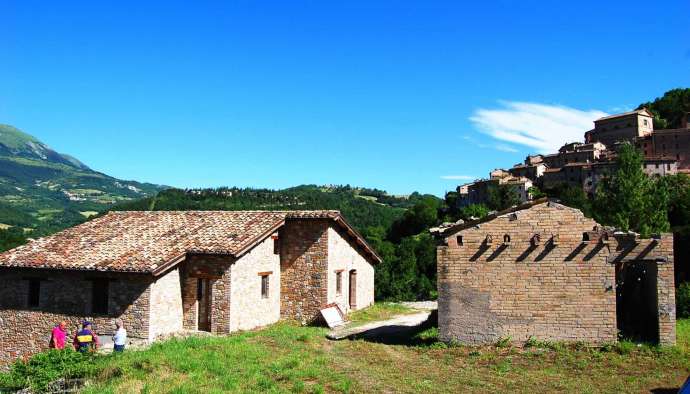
(42, 189)
(14, 142)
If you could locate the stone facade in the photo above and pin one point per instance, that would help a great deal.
(343, 258)
(547, 272)
(671, 144)
(166, 308)
(66, 295)
(621, 127)
(246, 298)
(303, 269)
(215, 269)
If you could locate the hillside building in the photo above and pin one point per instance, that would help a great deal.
(621, 127)
(478, 191)
(162, 272)
(545, 271)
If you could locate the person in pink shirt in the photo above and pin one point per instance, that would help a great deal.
(58, 336)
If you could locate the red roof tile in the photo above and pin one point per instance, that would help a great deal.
(145, 241)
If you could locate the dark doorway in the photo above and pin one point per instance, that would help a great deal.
(203, 297)
(353, 289)
(636, 301)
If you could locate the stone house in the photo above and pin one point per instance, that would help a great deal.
(546, 271)
(162, 272)
(621, 127)
(477, 192)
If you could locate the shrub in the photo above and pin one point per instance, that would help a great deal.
(683, 300)
(504, 341)
(46, 367)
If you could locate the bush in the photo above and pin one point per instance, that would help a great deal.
(683, 300)
(46, 367)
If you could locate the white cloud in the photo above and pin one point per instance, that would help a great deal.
(540, 126)
(459, 177)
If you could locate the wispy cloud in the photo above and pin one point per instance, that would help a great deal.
(459, 177)
(497, 146)
(540, 126)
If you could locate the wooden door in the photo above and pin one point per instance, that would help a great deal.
(203, 297)
(353, 289)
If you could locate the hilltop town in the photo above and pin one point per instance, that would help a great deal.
(584, 164)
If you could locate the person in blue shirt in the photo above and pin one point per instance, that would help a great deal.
(86, 340)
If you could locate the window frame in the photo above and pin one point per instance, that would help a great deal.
(265, 285)
(339, 282)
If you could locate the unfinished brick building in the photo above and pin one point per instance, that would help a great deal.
(546, 271)
(162, 272)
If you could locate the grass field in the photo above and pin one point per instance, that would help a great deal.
(289, 358)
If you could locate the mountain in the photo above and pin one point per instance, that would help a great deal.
(43, 190)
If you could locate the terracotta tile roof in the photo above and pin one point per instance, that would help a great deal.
(147, 241)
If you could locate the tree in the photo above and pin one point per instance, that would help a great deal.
(572, 196)
(678, 189)
(476, 211)
(535, 193)
(629, 199)
(500, 197)
(669, 109)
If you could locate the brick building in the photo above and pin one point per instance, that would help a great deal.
(478, 191)
(161, 272)
(621, 127)
(544, 270)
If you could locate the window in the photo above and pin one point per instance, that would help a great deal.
(34, 292)
(644, 121)
(657, 165)
(459, 240)
(668, 167)
(264, 286)
(276, 245)
(99, 296)
(339, 282)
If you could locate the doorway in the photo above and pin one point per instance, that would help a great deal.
(637, 310)
(353, 289)
(203, 298)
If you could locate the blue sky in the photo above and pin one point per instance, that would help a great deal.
(397, 95)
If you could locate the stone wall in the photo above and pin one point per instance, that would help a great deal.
(216, 268)
(303, 269)
(344, 256)
(166, 304)
(66, 295)
(561, 290)
(249, 309)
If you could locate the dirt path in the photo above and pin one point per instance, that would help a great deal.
(389, 329)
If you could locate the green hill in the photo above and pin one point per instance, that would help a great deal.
(359, 208)
(42, 190)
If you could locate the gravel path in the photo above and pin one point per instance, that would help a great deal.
(394, 327)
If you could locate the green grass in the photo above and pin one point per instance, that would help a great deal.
(379, 311)
(289, 358)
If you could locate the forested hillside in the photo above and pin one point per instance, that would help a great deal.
(669, 109)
